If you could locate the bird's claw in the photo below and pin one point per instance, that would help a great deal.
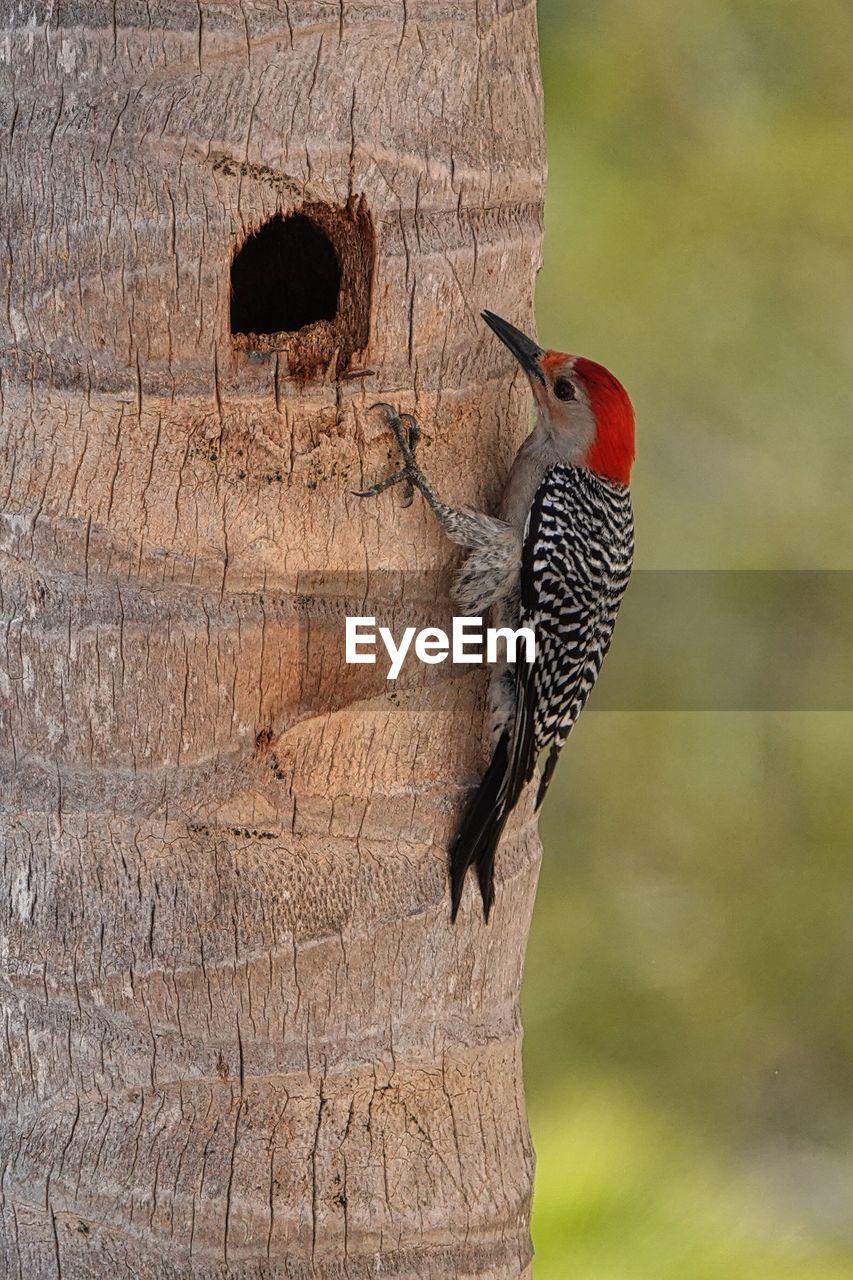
(382, 485)
(408, 435)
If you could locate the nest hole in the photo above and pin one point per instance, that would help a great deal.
(286, 276)
(301, 284)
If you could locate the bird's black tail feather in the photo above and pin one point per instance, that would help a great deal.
(480, 832)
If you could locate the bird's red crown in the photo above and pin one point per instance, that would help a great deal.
(612, 452)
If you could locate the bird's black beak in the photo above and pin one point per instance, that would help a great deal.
(527, 352)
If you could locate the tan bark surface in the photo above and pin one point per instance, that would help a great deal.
(239, 1035)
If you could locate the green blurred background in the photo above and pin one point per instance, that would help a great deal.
(688, 999)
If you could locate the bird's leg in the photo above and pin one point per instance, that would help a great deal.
(414, 438)
(491, 570)
(381, 485)
(466, 527)
(408, 442)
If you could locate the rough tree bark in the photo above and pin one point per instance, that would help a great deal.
(239, 1034)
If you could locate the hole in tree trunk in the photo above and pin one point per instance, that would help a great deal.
(301, 285)
(286, 276)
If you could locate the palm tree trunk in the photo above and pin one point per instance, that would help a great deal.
(239, 1034)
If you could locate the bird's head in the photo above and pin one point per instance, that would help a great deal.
(580, 404)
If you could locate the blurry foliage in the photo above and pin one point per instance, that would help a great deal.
(689, 1028)
(700, 241)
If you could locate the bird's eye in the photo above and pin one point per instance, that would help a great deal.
(564, 389)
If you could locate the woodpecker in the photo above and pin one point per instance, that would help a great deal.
(556, 558)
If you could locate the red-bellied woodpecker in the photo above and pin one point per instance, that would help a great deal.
(557, 559)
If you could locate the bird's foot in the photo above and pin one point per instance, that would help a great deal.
(408, 434)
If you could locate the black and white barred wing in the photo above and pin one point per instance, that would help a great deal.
(578, 548)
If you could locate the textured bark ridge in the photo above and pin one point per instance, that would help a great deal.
(239, 1034)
